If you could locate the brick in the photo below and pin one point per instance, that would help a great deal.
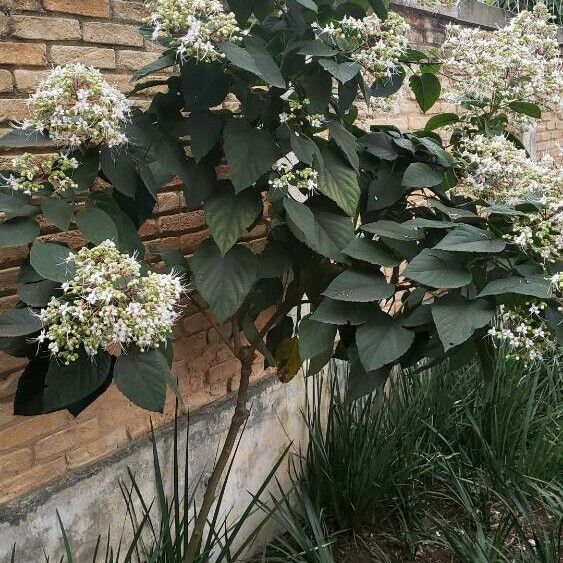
(112, 34)
(181, 222)
(95, 8)
(223, 372)
(132, 60)
(23, 5)
(148, 229)
(58, 442)
(190, 346)
(41, 27)
(16, 461)
(195, 323)
(8, 302)
(27, 80)
(131, 11)
(167, 201)
(13, 109)
(216, 334)
(97, 449)
(30, 429)
(31, 479)
(6, 81)
(94, 56)
(23, 54)
(189, 242)
(4, 25)
(9, 280)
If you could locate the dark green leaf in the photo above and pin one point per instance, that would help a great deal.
(25, 138)
(88, 166)
(379, 144)
(18, 231)
(224, 281)
(120, 169)
(204, 129)
(438, 269)
(228, 215)
(316, 48)
(441, 120)
(250, 152)
(33, 289)
(526, 108)
(421, 175)
(361, 382)
(315, 338)
(96, 225)
(309, 4)
(346, 142)
(380, 7)
(343, 72)
(161, 63)
(371, 252)
(14, 204)
(267, 67)
(453, 213)
(388, 85)
(467, 238)
(457, 318)
(535, 286)
(274, 261)
(19, 322)
(304, 149)
(142, 378)
(361, 287)
(342, 312)
(384, 191)
(318, 87)
(426, 88)
(50, 261)
(392, 230)
(58, 211)
(203, 85)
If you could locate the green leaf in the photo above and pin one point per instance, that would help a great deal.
(88, 167)
(441, 120)
(346, 142)
(453, 213)
(526, 108)
(142, 378)
(342, 312)
(33, 289)
(19, 322)
(267, 67)
(14, 204)
(339, 182)
(316, 48)
(361, 382)
(325, 233)
(421, 316)
(18, 231)
(318, 87)
(289, 361)
(388, 85)
(175, 262)
(467, 238)
(204, 129)
(203, 85)
(120, 169)
(384, 191)
(361, 287)
(421, 175)
(438, 269)
(371, 252)
(50, 261)
(25, 138)
(161, 63)
(380, 7)
(228, 215)
(379, 144)
(381, 341)
(426, 88)
(69, 384)
(224, 281)
(250, 152)
(392, 230)
(309, 4)
(274, 261)
(534, 286)
(431, 145)
(58, 211)
(422, 223)
(304, 148)
(457, 318)
(343, 72)
(315, 337)
(96, 225)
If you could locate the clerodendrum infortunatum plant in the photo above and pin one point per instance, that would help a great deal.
(392, 249)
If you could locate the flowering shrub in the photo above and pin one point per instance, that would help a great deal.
(109, 305)
(35, 173)
(75, 106)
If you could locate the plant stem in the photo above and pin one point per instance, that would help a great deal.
(487, 359)
(245, 354)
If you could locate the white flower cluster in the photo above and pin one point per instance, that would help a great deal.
(194, 27)
(76, 106)
(37, 172)
(375, 44)
(520, 62)
(298, 113)
(524, 332)
(292, 176)
(109, 305)
(499, 172)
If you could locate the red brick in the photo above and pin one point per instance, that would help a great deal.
(94, 56)
(190, 346)
(23, 54)
(28, 80)
(95, 8)
(130, 11)
(181, 222)
(132, 60)
(112, 34)
(41, 27)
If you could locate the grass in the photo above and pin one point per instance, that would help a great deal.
(448, 468)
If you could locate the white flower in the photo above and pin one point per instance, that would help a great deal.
(289, 174)
(76, 106)
(109, 305)
(194, 27)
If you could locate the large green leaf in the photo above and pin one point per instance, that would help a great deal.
(274, 261)
(50, 261)
(361, 287)
(339, 182)
(96, 225)
(526, 108)
(381, 341)
(224, 281)
(343, 72)
(228, 215)
(18, 231)
(19, 322)
(142, 377)
(441, 120)
(454, 213)
(161, 63)
(69, 384)
(426, 88)
(346, 142)
(88, 167)
(467, 238)
(315, 338)
(58, 211)
(372, 252)
(384, 191)
(534, 286)
(204, 129)
(342, 312)
(304, 148)
(379, 144)
(439, 269)
(325, 233)
(361, 382)
(391, 229)
(457, 318)
(119, 168)
(421, 175)
(33, 289)
(203, 85)
(250, 152)
(18, 138)
(15, 204)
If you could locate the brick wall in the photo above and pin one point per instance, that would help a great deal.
(35, 35)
